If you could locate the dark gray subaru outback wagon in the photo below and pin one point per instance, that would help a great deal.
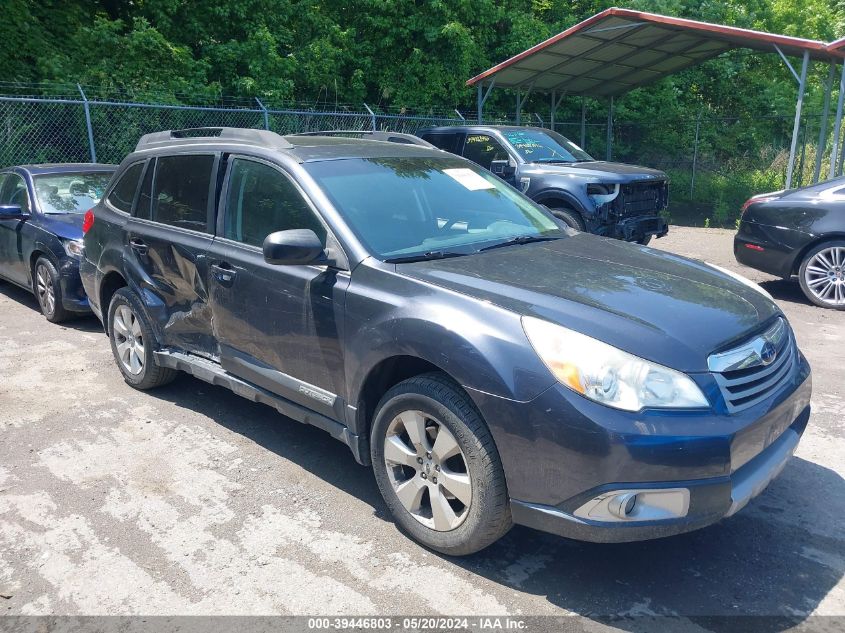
(492, 365)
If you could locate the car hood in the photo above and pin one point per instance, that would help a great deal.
(64, 225)
(601, 169)
(666, 308)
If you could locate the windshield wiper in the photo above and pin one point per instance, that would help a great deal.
(519, 239)
(422, 257)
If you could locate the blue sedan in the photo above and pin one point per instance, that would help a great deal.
(41, 216)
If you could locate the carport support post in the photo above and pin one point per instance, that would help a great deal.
(518, 107)
(802, 82)
(88, 124)
(482, 97)
(694, 155)
(552, 113)
(609, 152)
(823, 131)
(583, 124)
(837, 123)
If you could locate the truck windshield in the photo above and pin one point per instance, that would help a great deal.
(428, 206)
(70, 193)
(545, 146)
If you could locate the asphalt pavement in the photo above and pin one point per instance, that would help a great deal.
(191, 500)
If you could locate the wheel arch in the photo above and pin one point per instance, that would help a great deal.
(112, 281)
(821, 239)
(382, 377)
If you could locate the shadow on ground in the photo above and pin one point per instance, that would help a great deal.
(753, 564)
(83, 322)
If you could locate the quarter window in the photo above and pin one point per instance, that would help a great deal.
(180, 194)
(261, 200)
(123, 194)
(483, 149)
(142, 209)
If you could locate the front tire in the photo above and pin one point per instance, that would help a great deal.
(571, 218)
(822, 275)
(48, 291)
(133, 343)
(437, 466)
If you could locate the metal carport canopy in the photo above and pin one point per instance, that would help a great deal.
(618, 50)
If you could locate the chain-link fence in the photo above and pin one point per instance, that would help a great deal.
(38, 130)
(714, 163)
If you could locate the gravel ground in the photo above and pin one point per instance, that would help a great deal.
(191, 500)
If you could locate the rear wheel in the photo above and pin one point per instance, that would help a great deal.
(133, 343)
(822, 275)
(48, 291)
(570, 217)
(437, 467)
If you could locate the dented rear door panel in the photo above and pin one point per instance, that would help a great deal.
(169, 266)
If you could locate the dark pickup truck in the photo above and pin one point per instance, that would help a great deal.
(613, 199)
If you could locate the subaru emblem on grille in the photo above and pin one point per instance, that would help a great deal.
(768, 353)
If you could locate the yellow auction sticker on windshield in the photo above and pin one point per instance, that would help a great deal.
(469, 179)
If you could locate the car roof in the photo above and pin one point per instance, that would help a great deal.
(61, 168)
(463, 128)
(301, 148)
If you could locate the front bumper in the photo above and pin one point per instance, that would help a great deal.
(709, 500)
(639, 227)
(74, 298)
(561, 451)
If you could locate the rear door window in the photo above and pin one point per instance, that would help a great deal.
(182, 190)
(123, 194)
(483, 150)
(445, 141)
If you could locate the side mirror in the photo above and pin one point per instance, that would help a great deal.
(12, 212)
(502, 168)
(293, 247)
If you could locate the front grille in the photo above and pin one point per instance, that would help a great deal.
(642, 197)
(744, 379)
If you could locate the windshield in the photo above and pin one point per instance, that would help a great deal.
(70, 193)
(545, 146)
(419, 205)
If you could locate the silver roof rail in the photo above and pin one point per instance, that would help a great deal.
(204, 134)
(391, 137)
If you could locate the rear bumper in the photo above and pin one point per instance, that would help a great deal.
(771, 249)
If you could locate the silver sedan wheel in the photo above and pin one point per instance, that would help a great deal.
(44, 289)
(825, 275)
(428, 470)
(128, 339)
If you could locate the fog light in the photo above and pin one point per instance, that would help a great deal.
(645, 504)
(622, 505)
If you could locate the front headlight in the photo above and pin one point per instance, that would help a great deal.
(73, 248)
(608, 375)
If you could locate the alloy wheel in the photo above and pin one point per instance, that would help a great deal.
(44, 289)
(427, 470)
(825, 275)
(128, 339)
